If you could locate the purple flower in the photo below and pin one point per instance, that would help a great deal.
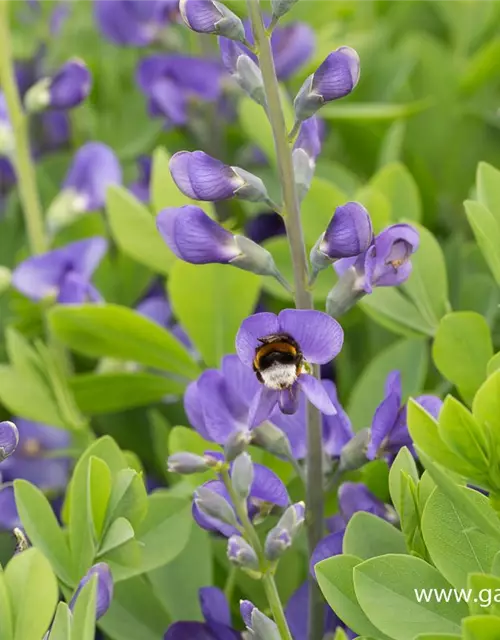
(297, 615)
(133, 22)
(389, 431)
(170, 81)
(337, 429)
(258, 625)
(141, 187)
(64, 273)
(277, 348)
(53, 132)
(266, 488)
(386, 262)
(305, 151)
(33, 460)
(217, 616)
(210, 16)
(293, 45)
(201, 177)
(349, 233)
(335, 78)
(9, 439)
(9, 517)
(218, 403)
(104, 593)
(65, 89)
(196, 238)
(265, 226)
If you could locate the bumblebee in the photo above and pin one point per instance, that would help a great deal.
(278, 361)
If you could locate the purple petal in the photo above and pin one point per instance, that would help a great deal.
(194, 237)
(156, 308)
(390, 277)
(9, 438)
(327, 548)
(40, 276)
(230, 52)
(432, 404)
(74, 290)
(319, 336)
(260, 325)
(132, 22)
(349, 232)
(337, 429)
(309, 138)
(168, 100)
(220, 411)
(9, 518)
(265, 226)
(246, 610)
(268, 487)
(335, 523)
(289, 400)
(70, 85)
(200, 15)
(194, 410)
(86, 255)
(211, 179)
(179, 168)
(393, 385)
(316, 394)
(240, 380)
(383, 422)
(104, 593)
(354, 497)
(141, 187)
(94, 168)
(294, 427)
(292, 45)
(214, 606)
(337, 76)
(262, 406)
(188, 630)
(343, 265)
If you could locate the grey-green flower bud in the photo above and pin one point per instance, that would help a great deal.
(242, 554)
(186, 463)
(353, 455)
(280, 7)
(215, 506)
(252, 187)
(237, 443)
(272, 439)
(277, 542)
(242, 475)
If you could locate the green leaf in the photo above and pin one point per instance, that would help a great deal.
(7, 625)
(61, 627)
(428, 283)
(368, 536)
(84, 612)
(119, 533)
(112, 392)
(461, 433)
(488, 185)
(136, 612)
(27, 398)
(404, 463)
(42, 528)
(377, 203)
(397, 184)
(118, 332)
(128, 499)
(461, 350)
(372, 111)
(425, 434)
(387, 584)
(335, 579)
(134, 229)
(493, 364)
(483, 517)
(486, 229)
(165, 531)
(486, 405)
(481, 628)
(318, 208)
(456, 547)
(100, 491)
(438, 636)
(211, 301)
(394, 311)
(176, 585)
(408, 356)
(482, 584)
(33, 593)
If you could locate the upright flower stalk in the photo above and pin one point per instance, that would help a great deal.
(22, 155)
(303, 297)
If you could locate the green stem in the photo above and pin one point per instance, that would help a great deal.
(270, 588)
(303, 297)
(25, 171)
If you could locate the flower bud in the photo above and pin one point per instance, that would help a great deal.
(277, 542)
(345, 294)
(104, 593)
(186, 463)
(305, 151)
(272, 439)
(293, 518)
(280, 7)
(243, 70)
(67, 88)
(261, 626)
(335, 78)
(237, 443)
(353, 455)
(242, 475)
(210, 16)
(9, 439)
(240, 553)
(215, 506)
